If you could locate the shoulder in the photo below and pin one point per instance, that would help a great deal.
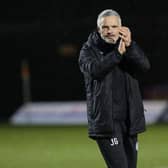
(85, 49)
(86, 46)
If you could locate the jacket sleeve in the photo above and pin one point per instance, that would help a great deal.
(136, 58)
(91, 64)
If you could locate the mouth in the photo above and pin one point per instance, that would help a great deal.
(110, 36)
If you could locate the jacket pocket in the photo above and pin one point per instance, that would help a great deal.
(97, 96)
(95, 109)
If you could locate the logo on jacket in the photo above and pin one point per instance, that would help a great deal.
(113, 141)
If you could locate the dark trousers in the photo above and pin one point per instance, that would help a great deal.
(120, 150)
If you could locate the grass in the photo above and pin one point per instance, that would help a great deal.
(70, 147)
(153, 150)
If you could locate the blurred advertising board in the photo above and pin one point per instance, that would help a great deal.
(74, 113)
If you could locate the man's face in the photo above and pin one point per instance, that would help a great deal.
(109, 29)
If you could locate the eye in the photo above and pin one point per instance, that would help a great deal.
(104, 27)
(114, 26)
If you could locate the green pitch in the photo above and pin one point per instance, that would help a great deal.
(70, 147)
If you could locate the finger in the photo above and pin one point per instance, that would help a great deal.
(125, 31)
(121, 45)
(124, 28)
(124, 38)
(125, 34)
(122, 34)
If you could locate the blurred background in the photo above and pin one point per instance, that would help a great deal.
(48, 36)
(40, 43)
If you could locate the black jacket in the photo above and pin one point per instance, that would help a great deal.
(102, 66)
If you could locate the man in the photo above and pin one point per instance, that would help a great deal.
(111, 63)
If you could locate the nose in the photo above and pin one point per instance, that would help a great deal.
(110, 30)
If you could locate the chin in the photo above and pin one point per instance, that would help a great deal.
(110, 41)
